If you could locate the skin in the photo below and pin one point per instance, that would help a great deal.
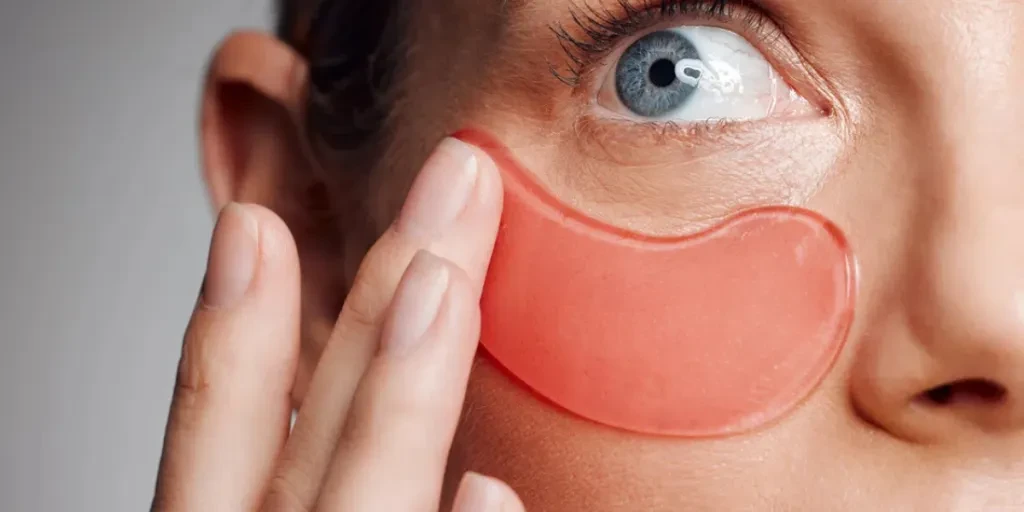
(915, 156)
(376, 425)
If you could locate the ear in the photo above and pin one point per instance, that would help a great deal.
(255, 150)
(251, 137)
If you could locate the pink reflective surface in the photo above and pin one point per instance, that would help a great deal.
(703, 335)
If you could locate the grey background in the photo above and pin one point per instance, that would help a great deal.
(103, 233)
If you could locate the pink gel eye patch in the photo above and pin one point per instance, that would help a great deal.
(703, 335)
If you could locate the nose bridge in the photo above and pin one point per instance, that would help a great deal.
(967, 294)
(973, 107)
(968, 257)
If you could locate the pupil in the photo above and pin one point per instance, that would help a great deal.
(663, 73)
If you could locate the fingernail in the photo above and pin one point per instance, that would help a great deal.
(441, 191)
(233, 255)
(416, 304)
(477, 493)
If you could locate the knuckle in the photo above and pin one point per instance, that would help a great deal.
(360, 312)
(415, 399)
(192, 381)
(214, 357)
(397, 409)
(282, 496)
(370, 294)
(211, 360)
(382, 268)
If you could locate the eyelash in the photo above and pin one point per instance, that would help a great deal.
(602, 29)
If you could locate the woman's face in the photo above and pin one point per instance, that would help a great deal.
(900, 121)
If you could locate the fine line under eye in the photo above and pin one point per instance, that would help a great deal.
(595, 31)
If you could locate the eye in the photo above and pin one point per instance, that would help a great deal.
(697, 74)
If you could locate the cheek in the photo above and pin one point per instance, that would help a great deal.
(558, 462)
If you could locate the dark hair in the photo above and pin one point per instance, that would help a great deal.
(352, 47)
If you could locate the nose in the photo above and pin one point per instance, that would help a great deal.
(946, 360)
(963, 305)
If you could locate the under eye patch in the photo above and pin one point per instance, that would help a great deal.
(702, 335)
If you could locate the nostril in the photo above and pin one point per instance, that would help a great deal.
(967, 391)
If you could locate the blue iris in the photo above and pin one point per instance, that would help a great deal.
(645, 78)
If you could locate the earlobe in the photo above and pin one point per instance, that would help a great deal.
(252, 103)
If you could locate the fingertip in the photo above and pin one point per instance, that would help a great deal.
(489, 186)
(250, 246)
(471, 241)
(233, 258)
(248, 319)
(418, 298)
(276, 283)
(455, 332)
(435, 299)
(276, 287)
(277, 245)
(463, 294)
(480, 493)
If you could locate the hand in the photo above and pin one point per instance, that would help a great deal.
(376, 425)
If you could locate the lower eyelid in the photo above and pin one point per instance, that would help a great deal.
(633, 176)
(651, 143)
(706, 138)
